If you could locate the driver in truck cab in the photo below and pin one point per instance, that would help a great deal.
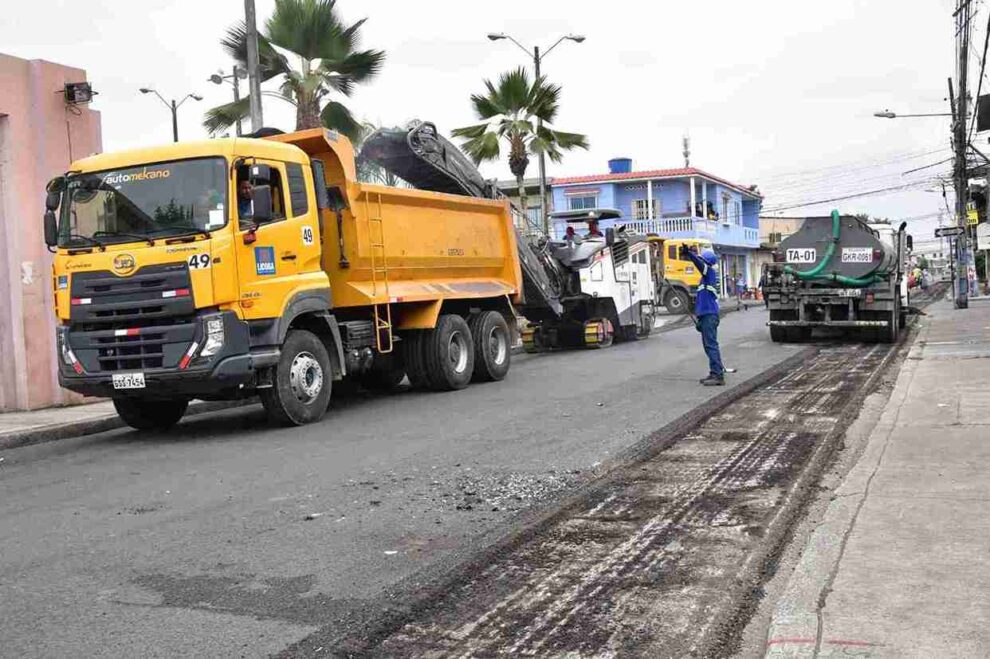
(706, 307)
(245, 196)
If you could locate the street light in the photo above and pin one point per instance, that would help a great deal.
(537, 58)
(887, 114)
(238, 74)
(173, 106)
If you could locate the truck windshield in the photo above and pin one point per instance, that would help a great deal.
(146, 202)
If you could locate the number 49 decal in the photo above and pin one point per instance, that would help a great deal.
(307, 235)
(199, 261)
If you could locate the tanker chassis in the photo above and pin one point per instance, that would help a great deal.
(838, 272)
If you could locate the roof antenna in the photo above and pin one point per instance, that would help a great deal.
(687, 150)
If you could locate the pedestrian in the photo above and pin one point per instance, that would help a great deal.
(706, 308)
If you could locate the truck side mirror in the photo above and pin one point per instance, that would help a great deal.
(910, 243)
(262, 204)
(52, 200)
(260, 174)
(610, 236)
(51, 228)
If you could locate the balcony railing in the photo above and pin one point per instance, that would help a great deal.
(685, 227)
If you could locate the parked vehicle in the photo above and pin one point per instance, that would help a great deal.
(838, 272)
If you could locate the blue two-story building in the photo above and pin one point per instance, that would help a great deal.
(676, 203)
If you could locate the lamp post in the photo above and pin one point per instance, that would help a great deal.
(238, 73)
(173, 106)
(959, 142)
(537, 59)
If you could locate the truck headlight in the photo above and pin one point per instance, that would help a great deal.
(214, 336)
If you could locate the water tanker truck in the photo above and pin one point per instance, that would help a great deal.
(262, 266)
(838, 272)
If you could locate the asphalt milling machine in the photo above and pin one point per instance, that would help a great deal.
(580, 292)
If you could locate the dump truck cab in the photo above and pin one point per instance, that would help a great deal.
(676, 279)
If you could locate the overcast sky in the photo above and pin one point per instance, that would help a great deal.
(779, 93)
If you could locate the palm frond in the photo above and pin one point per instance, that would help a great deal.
(470, 132)
(482, 148)
(336, 116)
(222, 117)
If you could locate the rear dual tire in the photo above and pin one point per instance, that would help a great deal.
(456, 351)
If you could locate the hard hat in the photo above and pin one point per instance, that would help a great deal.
(709, 256)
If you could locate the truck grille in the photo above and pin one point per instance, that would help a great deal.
(139, 322)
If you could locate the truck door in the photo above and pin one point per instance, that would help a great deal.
(274, 257)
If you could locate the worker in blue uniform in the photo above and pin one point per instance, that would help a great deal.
(706, 310)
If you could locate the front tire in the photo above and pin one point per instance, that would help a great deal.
(301, 384)
(150, 414)
(492, 346)
(677, 301)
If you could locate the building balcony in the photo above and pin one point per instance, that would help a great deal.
(693, 227)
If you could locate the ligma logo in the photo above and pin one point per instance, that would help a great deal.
(264, 260)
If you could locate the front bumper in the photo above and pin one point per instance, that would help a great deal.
(225, 375)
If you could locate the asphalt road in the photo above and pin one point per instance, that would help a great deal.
(227, 537)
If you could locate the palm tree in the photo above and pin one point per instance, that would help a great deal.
(512, 111)
(313, 54)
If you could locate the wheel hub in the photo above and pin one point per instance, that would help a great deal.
(498, 345)
(457, 352)
(305, 377)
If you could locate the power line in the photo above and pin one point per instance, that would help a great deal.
(851, 196)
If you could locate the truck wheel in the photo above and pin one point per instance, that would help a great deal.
(492, 347)
(778, 334)
(677, 301)
(301, 384)
(412, 356)
(448, 353)
(150, 414)
(888, 334)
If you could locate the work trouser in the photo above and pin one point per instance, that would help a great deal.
(708, 326)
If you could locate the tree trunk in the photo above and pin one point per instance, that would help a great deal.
(522, 197)
(308, 114)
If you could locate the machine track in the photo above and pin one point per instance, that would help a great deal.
(657, 559)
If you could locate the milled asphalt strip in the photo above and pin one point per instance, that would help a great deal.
(737, 605)
(393, 608)
(56, 431)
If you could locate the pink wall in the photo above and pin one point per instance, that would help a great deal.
(39, 137)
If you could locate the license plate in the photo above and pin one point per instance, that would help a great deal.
(857, 254)
(128, 380)
(850, 292)
(804, 255)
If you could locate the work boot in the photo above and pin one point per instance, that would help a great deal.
(713, 381)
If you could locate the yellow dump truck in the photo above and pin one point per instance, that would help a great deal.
(676, 278)
(229, 267)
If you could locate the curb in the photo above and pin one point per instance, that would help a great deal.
(56, 431)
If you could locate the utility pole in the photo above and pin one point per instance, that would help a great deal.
(541, 159)
(254, 82)
(960, 140)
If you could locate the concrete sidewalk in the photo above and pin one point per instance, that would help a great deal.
(900, 564)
